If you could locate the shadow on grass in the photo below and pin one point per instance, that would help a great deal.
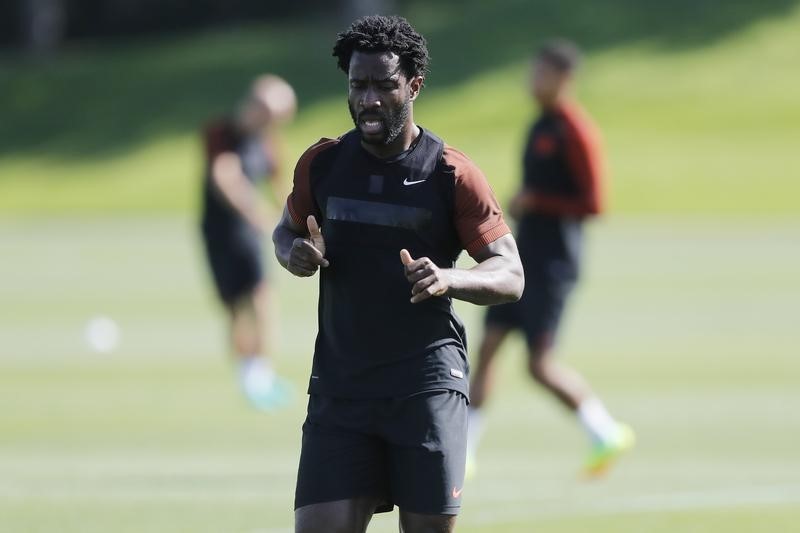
(98, 99)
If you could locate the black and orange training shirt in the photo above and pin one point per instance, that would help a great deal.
(563, 168)
(258, 163)
(432, 200)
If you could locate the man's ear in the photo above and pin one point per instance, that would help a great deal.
(415, 85)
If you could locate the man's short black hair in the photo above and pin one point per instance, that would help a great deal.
(561, 53)
(377, 33)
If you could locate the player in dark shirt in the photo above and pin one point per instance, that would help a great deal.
(240, 153)
(385, 210)
(562, 188)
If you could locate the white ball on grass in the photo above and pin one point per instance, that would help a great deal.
(102, 334)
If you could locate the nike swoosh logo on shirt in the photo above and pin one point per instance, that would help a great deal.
(457, 493)
(406, 182)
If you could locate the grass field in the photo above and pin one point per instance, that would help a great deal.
(687, 321)
(697, 100)
(688, 327)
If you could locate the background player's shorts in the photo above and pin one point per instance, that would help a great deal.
(407, 451)
(235, 258)
(537, 313)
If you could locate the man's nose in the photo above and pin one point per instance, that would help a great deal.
(370, 99)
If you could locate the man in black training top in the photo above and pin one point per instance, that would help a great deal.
(385, 210)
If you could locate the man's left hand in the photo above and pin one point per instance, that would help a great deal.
(426, 278)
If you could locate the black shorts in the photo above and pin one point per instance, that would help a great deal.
(408, 451)
(235, 259)
(537, 313)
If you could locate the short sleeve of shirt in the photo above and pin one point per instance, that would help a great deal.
(219, 137)
(478, 217)
(301, 202)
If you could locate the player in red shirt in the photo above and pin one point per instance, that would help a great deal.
(240, 152)
(562, 188)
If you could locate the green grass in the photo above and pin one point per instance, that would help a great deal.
(697, 102)
(686, 325)
(686, 322)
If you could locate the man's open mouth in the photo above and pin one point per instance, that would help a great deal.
(371, 125)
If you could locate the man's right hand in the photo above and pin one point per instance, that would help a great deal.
(307, 255)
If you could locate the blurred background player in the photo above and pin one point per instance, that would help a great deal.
(562, 187)
(241, 151)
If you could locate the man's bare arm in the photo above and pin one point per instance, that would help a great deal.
(234, 187)
(299, 250)
(497, 278)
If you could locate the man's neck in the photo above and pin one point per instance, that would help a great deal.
(402, 143)
(556, 103)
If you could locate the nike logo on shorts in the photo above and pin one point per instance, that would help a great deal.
(457, 492)
(406, 182)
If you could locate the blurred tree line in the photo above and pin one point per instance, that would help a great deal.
(42, 25)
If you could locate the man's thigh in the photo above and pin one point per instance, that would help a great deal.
(337, 460)
(236, 267)
(426, 435)
(421, 523)
(542, 314)
(342, 516)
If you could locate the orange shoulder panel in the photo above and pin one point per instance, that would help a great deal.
(300, 202)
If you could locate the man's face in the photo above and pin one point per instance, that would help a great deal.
(380, 96)
(548, 83)
(253, 115)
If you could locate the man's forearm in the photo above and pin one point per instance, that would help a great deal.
(494, 281)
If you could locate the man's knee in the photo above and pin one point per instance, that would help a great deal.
(540, 360)
(536, 368)
(540, 366)
(424, 523)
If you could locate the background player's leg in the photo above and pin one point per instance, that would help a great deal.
(480, 387)
(247, 319)
(563, 382)
(248, 315)
(483, 373)
(341, 516)
(424, 523)
(607, 436)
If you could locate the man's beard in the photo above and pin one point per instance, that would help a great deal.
(393, 122)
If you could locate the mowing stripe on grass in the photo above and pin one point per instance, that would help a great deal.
(712, 498)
